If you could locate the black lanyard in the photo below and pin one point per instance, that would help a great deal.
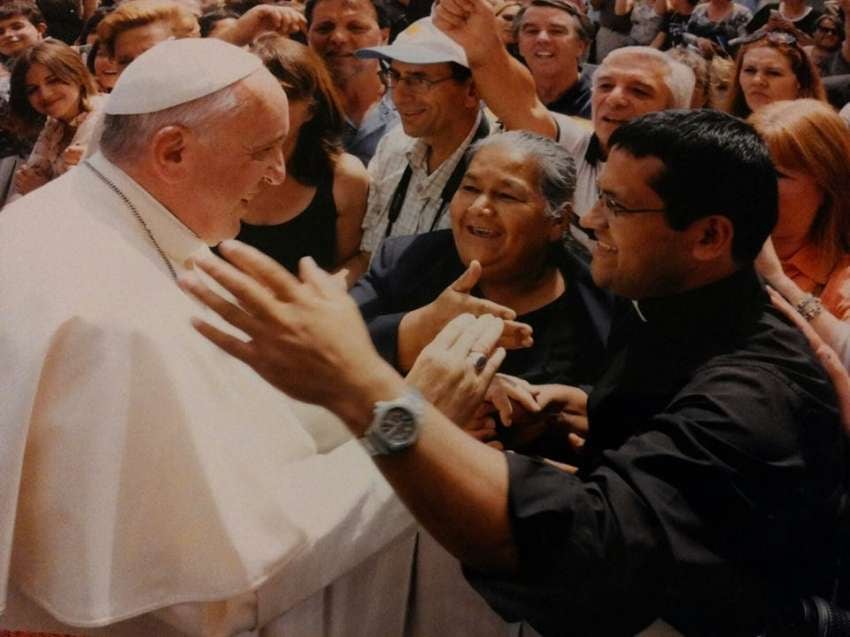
(448, 191)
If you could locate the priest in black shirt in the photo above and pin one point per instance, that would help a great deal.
(708, 491)
(708, 487)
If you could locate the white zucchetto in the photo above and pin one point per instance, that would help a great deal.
(175, 72)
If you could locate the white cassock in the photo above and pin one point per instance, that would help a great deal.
(145, 472)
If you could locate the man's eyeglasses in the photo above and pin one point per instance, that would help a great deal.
(616, 208)
(418, 84)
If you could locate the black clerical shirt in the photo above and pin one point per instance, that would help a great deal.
(708, 493)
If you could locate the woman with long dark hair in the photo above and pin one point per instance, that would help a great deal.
(317, 211)
(50, 79)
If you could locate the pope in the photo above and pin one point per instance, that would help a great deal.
(147, 477)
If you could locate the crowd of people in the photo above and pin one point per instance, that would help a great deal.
(575, 276)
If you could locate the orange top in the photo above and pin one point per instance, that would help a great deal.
(814, 273)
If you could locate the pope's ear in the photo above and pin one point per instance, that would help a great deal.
(170, 148)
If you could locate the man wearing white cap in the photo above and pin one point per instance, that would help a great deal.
(148, 482)
(418, 166)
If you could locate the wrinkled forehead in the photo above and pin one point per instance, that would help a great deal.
(548, 15)
(437, 69)
(265, 86)
(337, 8)
(767, 53)
(506, 163)
(633, 69)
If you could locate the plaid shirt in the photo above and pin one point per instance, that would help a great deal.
(422, 210)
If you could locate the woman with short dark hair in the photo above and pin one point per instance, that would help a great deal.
(504, 255)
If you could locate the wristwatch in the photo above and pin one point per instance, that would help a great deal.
(395, 426)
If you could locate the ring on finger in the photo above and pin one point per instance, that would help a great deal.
(479, 361)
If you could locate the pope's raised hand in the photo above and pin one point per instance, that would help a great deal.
(305, 334)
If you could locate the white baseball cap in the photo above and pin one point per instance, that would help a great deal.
(420, 43)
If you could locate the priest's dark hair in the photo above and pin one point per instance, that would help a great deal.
(304, 77)
(714, 164)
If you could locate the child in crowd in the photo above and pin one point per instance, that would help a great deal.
(21, 26)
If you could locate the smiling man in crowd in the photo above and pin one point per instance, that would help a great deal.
(553, 36)
(418, 166)
(336, 29)
(21, 26)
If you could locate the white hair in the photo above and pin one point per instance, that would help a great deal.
(124, 137)
(678, 77)
(555, 166)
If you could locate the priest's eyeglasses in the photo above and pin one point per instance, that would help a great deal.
(417, 84)
(613, 206)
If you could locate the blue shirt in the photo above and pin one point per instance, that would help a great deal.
(362, 142)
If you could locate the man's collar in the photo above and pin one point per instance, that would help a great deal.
(417, 154)
(708, 309)
(375, 117)
(175, 239)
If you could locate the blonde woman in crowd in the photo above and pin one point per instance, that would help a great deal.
(506, 11)
(808, 261)
(721, 71)
(136, 26)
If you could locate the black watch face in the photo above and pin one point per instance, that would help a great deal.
(398, 425)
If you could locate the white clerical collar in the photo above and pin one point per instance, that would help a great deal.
(639, 313)
(175, 239)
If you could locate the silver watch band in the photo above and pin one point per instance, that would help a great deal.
(385, 437)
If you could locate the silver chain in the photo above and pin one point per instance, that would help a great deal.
(136, 214)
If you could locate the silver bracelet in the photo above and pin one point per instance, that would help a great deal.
(810, 307)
